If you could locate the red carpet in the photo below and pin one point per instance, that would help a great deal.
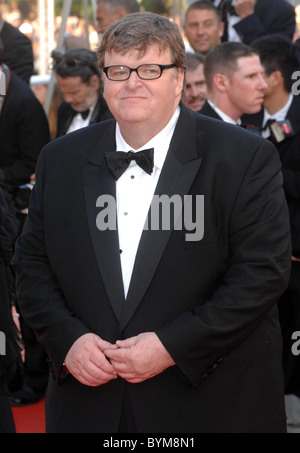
(30, 419)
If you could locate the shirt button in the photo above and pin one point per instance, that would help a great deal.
(125, 213)
(132, 176)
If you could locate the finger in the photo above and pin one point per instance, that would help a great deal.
(101, 362)
(128, 343)
(94, 376)
(131, 378)
(102, 344)
(117, 355)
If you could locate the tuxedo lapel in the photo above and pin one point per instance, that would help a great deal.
(179, 171)
(97, 182)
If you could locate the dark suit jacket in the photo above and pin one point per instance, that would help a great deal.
(24, 131)
(270, 17)
(207, 110)
(18, 54)
(290, 159)
(212, 302)
(65, 115)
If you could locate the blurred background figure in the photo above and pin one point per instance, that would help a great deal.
(247, 20)
(75, 34)
(203, 26)
(109, 11)
(10, 357)
(196, 90)
(24, 131)
(18, 53)
(79, 79)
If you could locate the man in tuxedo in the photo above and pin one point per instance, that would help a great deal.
(235, 82)
(247, 20)
(24, 131)
(78, 77)
(109, 11)
(164, 322)
(203, 26)
(195, 93)
(24, 128)
(279, 121)
(18, 54)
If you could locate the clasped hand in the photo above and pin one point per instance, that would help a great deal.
(94, 362)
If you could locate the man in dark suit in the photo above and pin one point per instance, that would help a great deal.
(79, 79)
(18, 54)
(166, 325)
(24, 128)
(24, 131)
(279, 121)
(247, 20)
(235, 82)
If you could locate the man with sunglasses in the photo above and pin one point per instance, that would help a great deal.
(79, 79)
(153, 324)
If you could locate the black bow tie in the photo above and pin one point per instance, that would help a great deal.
(119, 161)
(84, 114)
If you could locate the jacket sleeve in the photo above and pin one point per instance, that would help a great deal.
(280, 21)
(40, 298)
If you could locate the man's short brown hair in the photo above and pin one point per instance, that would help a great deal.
(140, 31)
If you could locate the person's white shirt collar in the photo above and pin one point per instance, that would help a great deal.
(223, 115)
(281, 114)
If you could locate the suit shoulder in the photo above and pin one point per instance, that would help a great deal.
(82, 141)
(224, 132)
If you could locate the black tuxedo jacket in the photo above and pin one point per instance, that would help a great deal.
(270, 17)
(290, 159)
(24, 131)
(211, 302)
(18, 54)
(207, 110)
(65, 115)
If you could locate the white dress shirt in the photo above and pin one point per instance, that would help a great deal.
(278, 116)
(134, 191)
(78, 122)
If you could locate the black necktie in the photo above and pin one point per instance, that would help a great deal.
(119, 161)
(268, 124)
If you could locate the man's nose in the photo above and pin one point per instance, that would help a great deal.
(68, 98)
(200, 30)
(133, 80)
(263, 84)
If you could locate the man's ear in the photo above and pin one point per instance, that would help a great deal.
(275, 79)
(95, 81)
(121, 12)
(221, 29)
(221, 82)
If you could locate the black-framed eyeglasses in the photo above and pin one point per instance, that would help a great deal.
(120, 73)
